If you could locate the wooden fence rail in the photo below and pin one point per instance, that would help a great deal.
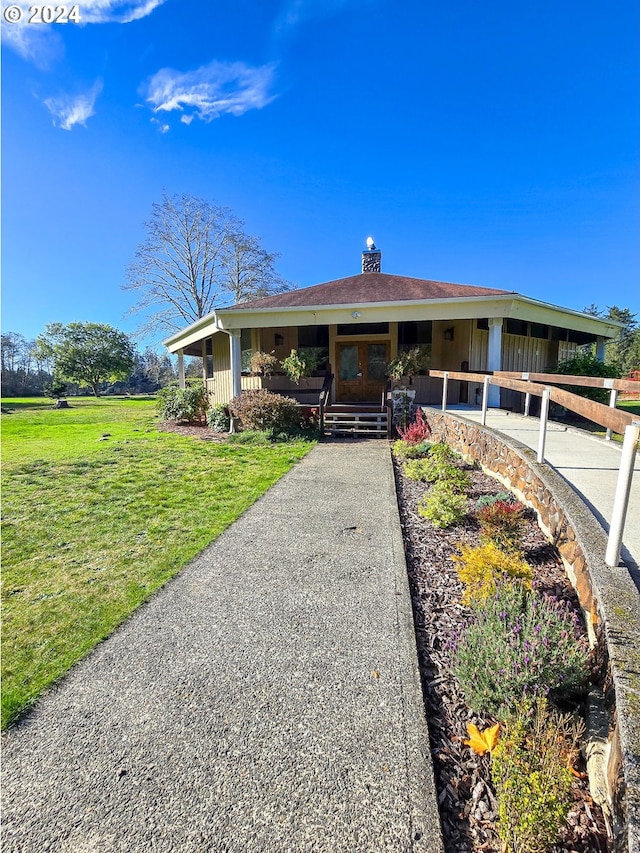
(613, 419)
(599, 413)
(564, 379)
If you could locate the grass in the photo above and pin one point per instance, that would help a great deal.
(93, 524)
(630, 406)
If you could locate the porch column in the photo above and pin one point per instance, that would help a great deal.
(600, 349)
(494, 357)
(181, 382)
(236, 361)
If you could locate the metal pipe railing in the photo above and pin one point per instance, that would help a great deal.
(614, 420)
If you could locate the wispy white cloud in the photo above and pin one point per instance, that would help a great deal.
(116, 11)
(162, 128)
(39, 44)
(210, 91)
(42, 44)
(69, 110)
(294, 12)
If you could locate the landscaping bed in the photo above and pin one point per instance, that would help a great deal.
(466, 795)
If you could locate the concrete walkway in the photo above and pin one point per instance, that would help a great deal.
(266, 700)
(589, 464)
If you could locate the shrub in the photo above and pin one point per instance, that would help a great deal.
(502, 523)
(417, 469)
(218, 418)
(519, 644)
(263, 363)
(402, 450)
(442, 506)
(483, 569)
(530, 770)
(418, 431)
(265, 411)
(435, 469)
(587, 364)
(409, 363)
(488, 500)
(182, 404)
(300, 364)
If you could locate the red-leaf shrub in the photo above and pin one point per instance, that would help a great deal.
(417, 431)
(502, 523)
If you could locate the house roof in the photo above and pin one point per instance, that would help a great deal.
(369, 288)
(380, 296)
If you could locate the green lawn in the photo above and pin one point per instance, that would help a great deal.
(93, 523)
(630, 406)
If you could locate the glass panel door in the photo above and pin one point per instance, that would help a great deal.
(348, 366)
(377, 362)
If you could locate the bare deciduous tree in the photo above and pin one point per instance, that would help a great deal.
(196, 258)
(251, 271)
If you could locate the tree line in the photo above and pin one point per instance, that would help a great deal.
(29, 369)
(623, 351)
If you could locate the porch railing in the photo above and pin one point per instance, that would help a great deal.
(623, 423)
(324, 398)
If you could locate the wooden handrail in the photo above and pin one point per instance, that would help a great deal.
(565, 379)
(323, 397)
(605, 416)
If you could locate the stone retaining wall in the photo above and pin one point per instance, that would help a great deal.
(609, 598)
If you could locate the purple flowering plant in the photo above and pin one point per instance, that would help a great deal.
(518, 643)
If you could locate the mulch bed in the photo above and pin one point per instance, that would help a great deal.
(468, 808)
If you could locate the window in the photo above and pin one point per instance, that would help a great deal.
(246, 348)
(313, 336)
(414, 333)
(363, 329)
(316, 339)
(580, 338)
(516, 327)
(539, 330)
(209, 358)
(482, 323)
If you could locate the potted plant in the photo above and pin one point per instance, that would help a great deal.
(408, 363)
(300, 364)
(405, 366)
(263, 363)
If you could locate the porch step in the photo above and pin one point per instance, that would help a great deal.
(352, 420)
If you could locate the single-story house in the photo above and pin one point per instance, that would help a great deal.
(359, 323)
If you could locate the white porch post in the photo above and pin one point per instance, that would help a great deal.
(236, 361)
(613, 402)
(621, 498)
(485, 399)
(600, 350)
(181, 382)
(494, 357)
(445, 388)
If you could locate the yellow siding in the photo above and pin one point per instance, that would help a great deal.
(251, 383)
(220, 388)
(522, 354)
(479, 350)
(566, 350)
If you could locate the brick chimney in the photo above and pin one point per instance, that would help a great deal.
(371, 257)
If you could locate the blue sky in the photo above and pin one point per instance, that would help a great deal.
(493, 144)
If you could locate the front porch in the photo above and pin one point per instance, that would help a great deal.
(356, 326)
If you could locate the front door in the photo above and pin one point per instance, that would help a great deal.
(361, 374)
